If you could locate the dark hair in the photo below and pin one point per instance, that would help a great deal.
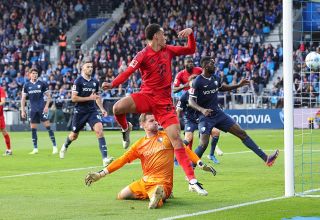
(151, 29)
(205, 60)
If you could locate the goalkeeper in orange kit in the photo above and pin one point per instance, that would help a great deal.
(156, 154)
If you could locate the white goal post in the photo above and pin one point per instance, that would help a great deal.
(288, 97)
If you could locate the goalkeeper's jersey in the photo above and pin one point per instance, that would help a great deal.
(156, 155)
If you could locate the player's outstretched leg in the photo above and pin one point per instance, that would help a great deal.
(272, 158)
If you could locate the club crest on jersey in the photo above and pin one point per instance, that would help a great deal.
(133, 63)
(38, 86)
(216, 83)
(160, 139)
(203, 129)
(94, 84)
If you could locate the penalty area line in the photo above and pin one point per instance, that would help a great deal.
(223, 208)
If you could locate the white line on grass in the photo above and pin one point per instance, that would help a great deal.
(94, 167)
(223, 208)
(53, 171)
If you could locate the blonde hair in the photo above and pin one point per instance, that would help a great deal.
(143, 117)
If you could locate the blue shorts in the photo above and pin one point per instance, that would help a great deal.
(190, 125)
(37, 116)
(220, 120)
(79, 120)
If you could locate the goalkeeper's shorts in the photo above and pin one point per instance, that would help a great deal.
(144, 190)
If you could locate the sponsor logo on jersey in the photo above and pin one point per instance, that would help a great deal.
(212, 91)
(34, 91)
(88, 89)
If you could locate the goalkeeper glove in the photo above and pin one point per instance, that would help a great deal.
(206, 167)
(94, 177)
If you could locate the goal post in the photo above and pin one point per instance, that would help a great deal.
(288, 97)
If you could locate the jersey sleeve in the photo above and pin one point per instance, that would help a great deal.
(177, 80)
(25, 89)
(193, 91)
(133, 66)
(76, 86)
(184, 50)
(45, 87)
(128, 157)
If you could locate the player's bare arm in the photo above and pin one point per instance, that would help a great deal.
(100, 105)
(46, 107)
(242, 83)
(23, 105)
(179, 88)
(193, 104)
(185, 33)
(2, 101)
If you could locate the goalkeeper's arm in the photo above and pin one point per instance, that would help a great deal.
(115, 165)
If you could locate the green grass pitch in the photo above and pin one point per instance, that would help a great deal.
(54, 188)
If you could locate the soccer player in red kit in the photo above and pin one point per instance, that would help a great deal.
(181, 82)
(5, 134)
(154, 63)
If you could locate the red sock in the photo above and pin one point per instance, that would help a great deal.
(190, 144)
(185, 162)
(122, 120)
(7, 140)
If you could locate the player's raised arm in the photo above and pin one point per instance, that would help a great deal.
(243, 82)
(184, 50)
(122, 77)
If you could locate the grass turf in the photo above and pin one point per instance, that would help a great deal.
(55, 188)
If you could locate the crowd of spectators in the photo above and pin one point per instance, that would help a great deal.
(26, 27)
(230, 31)
(306, 81)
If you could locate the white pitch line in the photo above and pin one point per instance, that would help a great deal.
(223, 208)
(54, 171)
(49, 172)
(93, 167)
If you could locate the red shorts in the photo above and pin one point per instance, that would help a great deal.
(2, 123)
(162, 109)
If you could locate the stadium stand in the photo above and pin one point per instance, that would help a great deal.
(232, 32)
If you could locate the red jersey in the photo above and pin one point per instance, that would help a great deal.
(183, 76)
(2, 95)
(155, 68)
